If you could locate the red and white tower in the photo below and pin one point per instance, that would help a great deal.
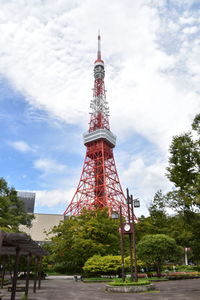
(99, 185)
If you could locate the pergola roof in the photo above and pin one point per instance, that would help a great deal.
(11, 242)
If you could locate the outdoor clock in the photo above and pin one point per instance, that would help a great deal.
(127, 227)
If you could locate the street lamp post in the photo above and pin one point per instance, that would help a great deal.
(134, 203)
(122, 244)
(128, 199)
(116, 216)
(131, 203)
(128, 228)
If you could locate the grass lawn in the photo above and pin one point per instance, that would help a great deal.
(158, 279)
(128, 282)
(97, 279)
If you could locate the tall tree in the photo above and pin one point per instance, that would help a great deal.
(157, 249)
(158, 221)
(78, 238)
(158, 212)
(196, 124)
(184, 170)
(12, 210)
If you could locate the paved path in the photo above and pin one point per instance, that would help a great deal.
(58, 289)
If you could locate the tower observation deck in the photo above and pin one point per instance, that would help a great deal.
(99, 185)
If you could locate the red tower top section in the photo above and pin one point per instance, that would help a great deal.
(99, 105)
(99, 50)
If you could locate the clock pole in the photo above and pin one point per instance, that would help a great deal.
(130, 234)
(122, 242)
(134, 240)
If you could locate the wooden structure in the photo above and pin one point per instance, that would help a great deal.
(17, 245)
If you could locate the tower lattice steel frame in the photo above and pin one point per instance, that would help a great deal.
(99, 185)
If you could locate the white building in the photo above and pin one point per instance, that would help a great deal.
(41, 225)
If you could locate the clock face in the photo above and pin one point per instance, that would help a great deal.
(127, 227)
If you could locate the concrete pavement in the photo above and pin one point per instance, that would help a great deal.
(62, 289)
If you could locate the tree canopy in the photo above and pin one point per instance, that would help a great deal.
(184, 170)
(78, 238)
(12, 209)
(157, 249)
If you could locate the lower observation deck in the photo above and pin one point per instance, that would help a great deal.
(98, 134)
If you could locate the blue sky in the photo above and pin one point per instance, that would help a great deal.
(151, 51)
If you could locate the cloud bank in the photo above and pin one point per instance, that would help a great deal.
(151, 51)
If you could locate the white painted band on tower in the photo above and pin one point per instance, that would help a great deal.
(100, 134)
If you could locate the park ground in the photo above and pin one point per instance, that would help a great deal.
(57, 289)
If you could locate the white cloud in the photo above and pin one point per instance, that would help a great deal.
(186, 20)
(52, 54)
(186, 2)
(53, 198)
(49, 166)
(144, 174)
(191, 30)
(152, 68)
(20, 146)
(147, 178)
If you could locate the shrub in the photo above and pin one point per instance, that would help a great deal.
(59, 268)
(119, 282)
(99, 265)
(196, 268)
(182, 275)
(186, 268)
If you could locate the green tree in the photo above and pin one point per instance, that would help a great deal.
(12, 210)
(158, 249)
(158, 221)
(184, 170)
(78, 238)
(194, 243)
(186, 234)
(196, 124)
